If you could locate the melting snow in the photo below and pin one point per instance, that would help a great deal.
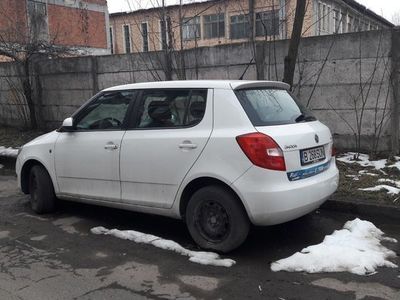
(356, 248)
(9, 152)
(365, 172)
(363, 160)
(201, 257)
(1, 166)
(390, 189)
(395, 182)
(355, 177)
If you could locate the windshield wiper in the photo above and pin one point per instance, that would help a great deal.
(304, 118)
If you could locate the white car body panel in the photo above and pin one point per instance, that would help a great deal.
(41, 149)
(153, 162)
(85, 168)
(302, 136)
(148, 172)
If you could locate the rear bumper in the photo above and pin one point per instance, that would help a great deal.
(270, 198)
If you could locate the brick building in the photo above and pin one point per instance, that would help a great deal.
(217, 22)
(80, 24)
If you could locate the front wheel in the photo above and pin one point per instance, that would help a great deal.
(216, 219)
(41, 189)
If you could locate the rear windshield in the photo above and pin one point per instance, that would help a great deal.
(266, 107)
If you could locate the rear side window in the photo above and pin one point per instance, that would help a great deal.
(171, 108)
(266, 107)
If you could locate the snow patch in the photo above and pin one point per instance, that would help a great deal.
(8, 152)
(363, 161)
(355, 177)
(390, 189)
(395, 182)
(365, 172)
(356, 248)
(1, 166)
(200, 257)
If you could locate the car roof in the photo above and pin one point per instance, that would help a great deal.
(209, 84)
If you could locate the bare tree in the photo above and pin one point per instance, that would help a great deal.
(24, 43)
(396, 18)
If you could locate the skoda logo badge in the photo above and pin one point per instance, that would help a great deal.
(316, 137)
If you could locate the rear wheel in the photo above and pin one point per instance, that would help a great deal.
(41, 189)
(216, 220)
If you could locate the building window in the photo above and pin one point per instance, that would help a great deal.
(240, 27)
(343, 19)
(350, 24)
(145, 37)
(191, 28)
(267, 23)
(214, 26)
(324, 18)
(127, 38)
(336, 21)
(38, 7)
(164, 34)
(111, 40)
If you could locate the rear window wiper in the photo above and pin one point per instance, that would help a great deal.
(304, 118)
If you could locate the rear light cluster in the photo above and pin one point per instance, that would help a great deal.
(262, 151)
(333, 150)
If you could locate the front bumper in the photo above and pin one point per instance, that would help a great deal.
(270, 198)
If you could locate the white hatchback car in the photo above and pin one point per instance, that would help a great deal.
(218, 154)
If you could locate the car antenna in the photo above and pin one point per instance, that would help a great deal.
(247, 67)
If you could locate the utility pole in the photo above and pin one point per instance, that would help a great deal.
(291, 58)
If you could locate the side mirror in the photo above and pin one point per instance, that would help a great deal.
(67, 125)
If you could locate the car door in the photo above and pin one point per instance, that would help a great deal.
(172, 127)
(87, 158)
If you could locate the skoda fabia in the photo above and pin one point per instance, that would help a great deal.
(220, 155)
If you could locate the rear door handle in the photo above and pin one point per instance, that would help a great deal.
(187, 145)
(111, 146)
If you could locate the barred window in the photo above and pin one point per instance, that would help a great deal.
(127, 39)
(267, 23)
(240, 27)
(214, 26)
(111, 40)
(164, 35)
(191, 28)
(145, 37)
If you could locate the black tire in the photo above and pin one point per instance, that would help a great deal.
(43, 198)
(216, 219)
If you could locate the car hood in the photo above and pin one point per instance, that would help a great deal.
(46, 138)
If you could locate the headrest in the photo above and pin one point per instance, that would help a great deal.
(197, 109)
(159, 110)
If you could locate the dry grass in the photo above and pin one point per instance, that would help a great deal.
(349, 188)
(11, 137)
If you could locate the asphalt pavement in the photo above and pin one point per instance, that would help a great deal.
(56, 257)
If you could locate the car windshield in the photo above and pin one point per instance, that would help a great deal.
(266, 107)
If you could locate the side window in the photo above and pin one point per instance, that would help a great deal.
(172, 108)
(106, 112)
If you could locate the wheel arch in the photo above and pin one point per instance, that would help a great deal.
(25, 172)
(199, 183)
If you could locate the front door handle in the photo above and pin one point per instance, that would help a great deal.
(111, 146)
(187, 145)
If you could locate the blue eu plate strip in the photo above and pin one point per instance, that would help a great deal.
(301, 174)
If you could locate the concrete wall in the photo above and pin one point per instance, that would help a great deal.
(328, 78)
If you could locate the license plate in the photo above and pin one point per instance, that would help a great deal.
(312, 155)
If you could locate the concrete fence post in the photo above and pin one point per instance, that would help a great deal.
(95, 79)
(395, 78)
(260, 60)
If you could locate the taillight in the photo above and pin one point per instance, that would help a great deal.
(262, 151)
(333, 150)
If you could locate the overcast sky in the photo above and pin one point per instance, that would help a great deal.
(386, 8)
